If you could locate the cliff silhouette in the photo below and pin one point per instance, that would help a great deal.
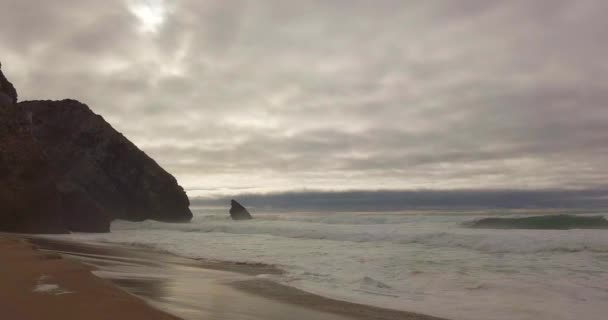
(64, 168)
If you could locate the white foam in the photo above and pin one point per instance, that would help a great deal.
(48, 288)
(443, 231)
(42, 286)
(424, 263)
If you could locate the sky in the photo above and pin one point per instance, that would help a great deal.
(276, 95)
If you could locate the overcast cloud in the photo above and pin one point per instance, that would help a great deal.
(250, 96)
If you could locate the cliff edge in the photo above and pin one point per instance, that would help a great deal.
(92, 157)
(64, 168)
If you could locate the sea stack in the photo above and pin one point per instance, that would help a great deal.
(238, 212)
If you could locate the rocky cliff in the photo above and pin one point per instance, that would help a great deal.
(62, 167)
(29, 199)
(7, 88)
(91, 157)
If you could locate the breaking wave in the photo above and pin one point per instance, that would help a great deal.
(547, 222)
(442, 232)
(401, 261)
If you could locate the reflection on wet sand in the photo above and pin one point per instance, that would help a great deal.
(179, 285)
(195, 289)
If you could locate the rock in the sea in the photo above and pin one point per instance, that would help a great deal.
(238, 212)
(547, 222)
(29, 199)
(90, 156)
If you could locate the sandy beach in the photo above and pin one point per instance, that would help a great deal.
(52, 279)
(37, 285)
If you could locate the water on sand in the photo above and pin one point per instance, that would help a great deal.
(424, 262)
(197, 290)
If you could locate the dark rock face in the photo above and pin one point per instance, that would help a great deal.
(238, 212)
(547, 222)
(83, 214)
(29, 199)
(115, 177)
(63, 168)
(7, 88)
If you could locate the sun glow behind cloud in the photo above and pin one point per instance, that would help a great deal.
(244, 96)
(150, 13)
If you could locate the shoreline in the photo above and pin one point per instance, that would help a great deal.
(196, 278)
(35, 284)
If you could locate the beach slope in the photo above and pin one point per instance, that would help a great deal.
(40, 285)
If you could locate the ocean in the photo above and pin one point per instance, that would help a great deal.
(426, 262)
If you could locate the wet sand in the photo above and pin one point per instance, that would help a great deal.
(37, 285)
(198, 289)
